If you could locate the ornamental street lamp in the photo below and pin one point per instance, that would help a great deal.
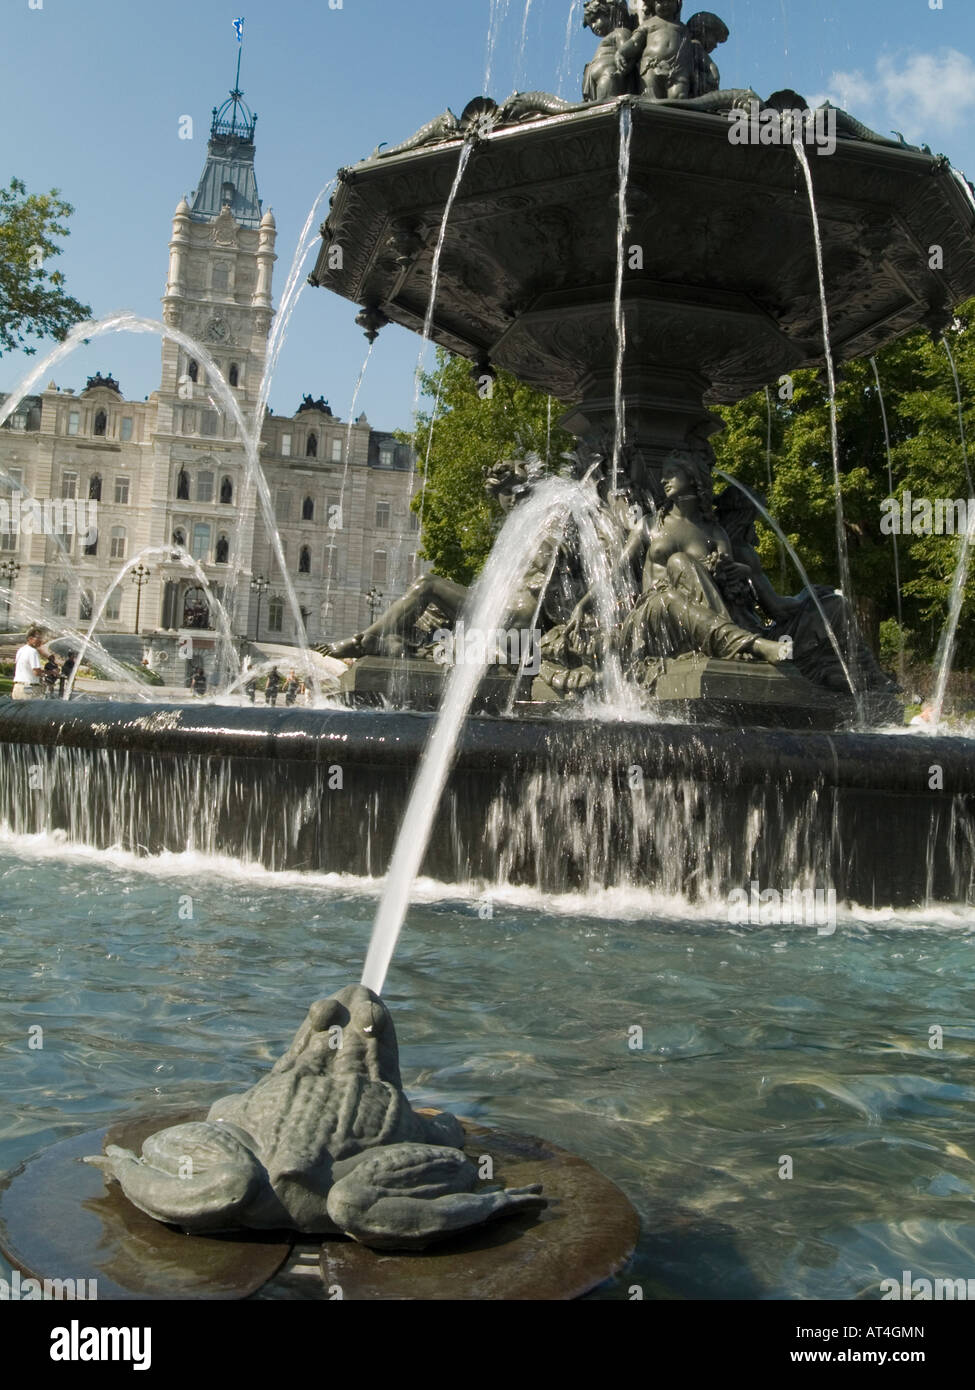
(259, 586)
(140, 577)
(374, 599)
(9, 571)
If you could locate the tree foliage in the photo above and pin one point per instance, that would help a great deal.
(474, 428)
(795, 474)
(33, 301)
(927, 461)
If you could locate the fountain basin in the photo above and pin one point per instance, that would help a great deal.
(559, 804)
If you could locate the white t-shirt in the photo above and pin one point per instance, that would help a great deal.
(28, 661)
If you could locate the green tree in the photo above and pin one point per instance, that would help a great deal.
(33, 301)
(476, 425)
(927, 460)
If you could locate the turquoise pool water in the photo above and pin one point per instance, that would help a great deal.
(182, 979)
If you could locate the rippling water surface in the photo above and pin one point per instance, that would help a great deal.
(757, 1043)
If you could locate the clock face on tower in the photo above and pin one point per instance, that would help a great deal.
(217, 330)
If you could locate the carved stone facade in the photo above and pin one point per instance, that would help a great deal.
(170, 470)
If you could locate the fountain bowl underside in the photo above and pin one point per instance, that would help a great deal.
(556, 804)
(723, 296)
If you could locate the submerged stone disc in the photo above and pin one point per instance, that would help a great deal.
(587, 1233)
(60, 1220)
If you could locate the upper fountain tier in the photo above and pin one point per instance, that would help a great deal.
(722, 295)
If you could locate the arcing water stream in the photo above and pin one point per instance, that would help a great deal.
(893, 537)
(626, 137)
(490, 600)
(810, 587)
(842, 548)
(127, 322)
(945, 656)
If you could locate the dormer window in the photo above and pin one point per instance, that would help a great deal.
(101, 422)
(227, 195)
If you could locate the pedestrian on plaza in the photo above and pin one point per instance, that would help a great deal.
(199, 682)
(291, 689)
(49, 675)
(67, 667)
(251, 688)
(272, 687)
(28, 667)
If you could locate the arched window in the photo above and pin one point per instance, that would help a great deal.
(204, 486)
(304, 561)
(275, 615)
(308, 510)
(118, 542)
(101, 422)
(234, 377)
(226, 491)
(95, 487)
(183, 485)
(223, 551)
(179, 537)
(311, 448)
(59, 599)
(193, 370)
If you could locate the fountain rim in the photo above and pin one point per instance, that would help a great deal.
(643, 109)
(387, 740)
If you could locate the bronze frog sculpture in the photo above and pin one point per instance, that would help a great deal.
(326, 1144)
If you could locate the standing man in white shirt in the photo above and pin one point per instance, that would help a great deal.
(27, 672)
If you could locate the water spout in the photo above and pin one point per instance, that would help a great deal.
(485, 611)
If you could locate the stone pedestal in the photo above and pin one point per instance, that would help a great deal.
(410, 684)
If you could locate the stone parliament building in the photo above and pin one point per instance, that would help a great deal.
(170, 470)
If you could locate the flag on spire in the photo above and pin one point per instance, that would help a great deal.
(239, 30)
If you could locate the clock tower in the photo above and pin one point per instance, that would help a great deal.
(218, 291)
(221, 258)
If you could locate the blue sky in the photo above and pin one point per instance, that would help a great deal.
(93, 92)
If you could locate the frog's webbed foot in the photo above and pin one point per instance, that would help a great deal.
(407, 1196)
(199, 1176)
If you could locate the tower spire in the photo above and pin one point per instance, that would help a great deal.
(234, 118)
(228, 178)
